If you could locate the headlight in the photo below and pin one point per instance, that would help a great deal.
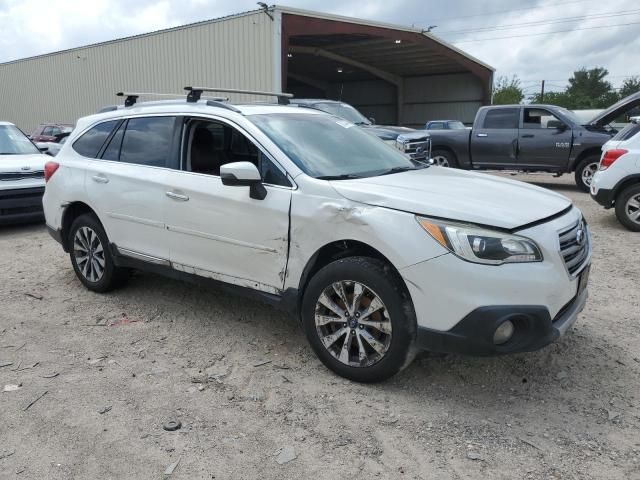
(479, 245)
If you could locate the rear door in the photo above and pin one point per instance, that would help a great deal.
(126, 185)
(495, 142)
(544, 140)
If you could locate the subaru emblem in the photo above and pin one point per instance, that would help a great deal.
(580, 237)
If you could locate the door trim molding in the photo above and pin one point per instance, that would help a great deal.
(218, 238)
(142, 256)
(130, 218)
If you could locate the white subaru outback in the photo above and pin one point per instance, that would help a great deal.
(378, 255)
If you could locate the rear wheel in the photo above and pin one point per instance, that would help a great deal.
(90, 255)
(585, 171)
(359, 319)
(444, 158)
(628, 208)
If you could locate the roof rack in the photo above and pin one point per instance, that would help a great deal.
(196, 92)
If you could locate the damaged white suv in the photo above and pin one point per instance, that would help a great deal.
(379, 256)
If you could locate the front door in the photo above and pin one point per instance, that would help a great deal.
(544, 140)
(219, 231)
(495, 142)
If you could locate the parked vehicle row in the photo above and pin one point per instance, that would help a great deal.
(370, 253)
(530, 138)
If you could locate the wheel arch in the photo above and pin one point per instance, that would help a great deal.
(71, 212)
(584, 154)
(625, 183)
(336, 250)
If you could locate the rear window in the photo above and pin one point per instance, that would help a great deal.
(627, 132)
(90, 143)
(502, 118)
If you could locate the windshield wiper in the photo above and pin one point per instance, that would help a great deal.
(400, 170)
(344, 176)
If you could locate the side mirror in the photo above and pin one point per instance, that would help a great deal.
(243, 174)
(557, 124)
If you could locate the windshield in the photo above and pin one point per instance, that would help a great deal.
(14, 142)
(343, 110)
(328, 147)
(581, 119)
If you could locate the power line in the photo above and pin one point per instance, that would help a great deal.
(542, 22)
(551, 4)
(545, 33)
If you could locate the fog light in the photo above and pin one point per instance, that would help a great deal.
(503, 333)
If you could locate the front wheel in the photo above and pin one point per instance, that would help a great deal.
(628, 208)
(585, 171)
(444, 158)
(359, 319)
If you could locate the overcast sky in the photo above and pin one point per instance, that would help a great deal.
(33, 27)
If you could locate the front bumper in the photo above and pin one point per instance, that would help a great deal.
(21, 205)
(473, 335)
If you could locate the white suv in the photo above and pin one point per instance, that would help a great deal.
(617, 181)
(378, 255)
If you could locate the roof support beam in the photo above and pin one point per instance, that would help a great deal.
(389, 77)
(314, 82)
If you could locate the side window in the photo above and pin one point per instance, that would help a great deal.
(55, 131)
(502, 118)
(209, 145)
(436, 126)
(539, 118)
(47, 131)
(112, 152)
(147, 141)
(90, 143)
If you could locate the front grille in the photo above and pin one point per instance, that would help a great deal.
(418, 149)
(21, 175)
(574, 246)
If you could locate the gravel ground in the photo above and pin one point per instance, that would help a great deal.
(254, 402)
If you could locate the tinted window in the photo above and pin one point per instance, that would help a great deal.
(436, 126)
(112, 152)
(147, 141)
(502, 118)
(90, 143)
(271, 174)
(539, 118)
(627, 132)
(47, 131)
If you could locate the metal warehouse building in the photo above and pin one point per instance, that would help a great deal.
(398, 75)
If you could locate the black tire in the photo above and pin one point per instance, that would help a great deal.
(112, 276)
(385, 283)
(448, 156)
(587, 163)
(630, 193)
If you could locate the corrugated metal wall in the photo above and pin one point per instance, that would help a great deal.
(233, 52)
(455, 97)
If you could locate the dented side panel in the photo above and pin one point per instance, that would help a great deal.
(320, 216)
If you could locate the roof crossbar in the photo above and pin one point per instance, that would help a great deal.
(196, 92)
(131, 99)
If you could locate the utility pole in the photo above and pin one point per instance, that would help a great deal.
(542, 93)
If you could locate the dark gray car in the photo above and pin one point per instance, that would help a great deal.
(414, 143)
(531, 138)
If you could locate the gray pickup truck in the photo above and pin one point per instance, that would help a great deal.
(530, 138)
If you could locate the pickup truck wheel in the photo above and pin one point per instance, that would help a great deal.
(587, 168)
(444, 158)
(359, 319)
(90, 256)
(628, 207)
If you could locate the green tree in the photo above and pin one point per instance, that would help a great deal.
(560, 99)
(507, 91)
(629, 86)
(589, 89)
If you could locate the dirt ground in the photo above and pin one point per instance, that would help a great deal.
(254, 402)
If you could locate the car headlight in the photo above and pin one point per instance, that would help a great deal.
(480, 245)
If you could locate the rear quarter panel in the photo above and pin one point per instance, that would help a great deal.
(456, 141)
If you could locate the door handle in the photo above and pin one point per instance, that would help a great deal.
(482, 135)
(100, 179)
(528, 135)
(177, 196)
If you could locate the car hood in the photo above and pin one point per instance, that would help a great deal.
(23, 163)
(391, 133)
(614, 111)
(457, 195)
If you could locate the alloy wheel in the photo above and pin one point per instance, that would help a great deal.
(441, 161)
(632, 209)
(89, 254)
(353, 323)
(588, 172)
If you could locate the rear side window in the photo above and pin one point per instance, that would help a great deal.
(502, 118)
(112, 152)
(627, 132)
(147, 141)
(90, 143)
